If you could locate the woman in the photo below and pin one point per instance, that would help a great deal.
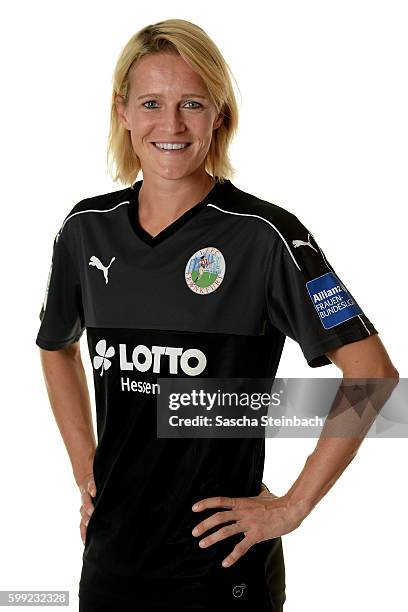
(183, 274)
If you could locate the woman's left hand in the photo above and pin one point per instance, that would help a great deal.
(262, 517)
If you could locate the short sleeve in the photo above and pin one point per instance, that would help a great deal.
(306, 299)
(61, 315)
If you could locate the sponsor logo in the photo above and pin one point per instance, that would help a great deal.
(205, 270)
(332, 301)
(238, 590)
(298, 243)
(95, 261)
(142, 358)
(102, 357)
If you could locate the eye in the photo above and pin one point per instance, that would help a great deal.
(154, 101)
(148, 102)
(193, 102)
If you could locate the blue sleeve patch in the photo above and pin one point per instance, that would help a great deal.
(333, 303)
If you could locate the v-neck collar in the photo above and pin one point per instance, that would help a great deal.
(133, 213)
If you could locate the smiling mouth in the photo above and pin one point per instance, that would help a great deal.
(170, 150)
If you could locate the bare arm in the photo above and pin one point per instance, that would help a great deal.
(365, 359)
(67, 390)
(265, 516)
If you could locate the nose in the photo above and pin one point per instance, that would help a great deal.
(172, 120)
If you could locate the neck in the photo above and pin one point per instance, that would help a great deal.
(164, 200)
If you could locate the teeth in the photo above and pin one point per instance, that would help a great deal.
(169, 145)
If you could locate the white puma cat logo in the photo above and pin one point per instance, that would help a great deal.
(94, 261)
(297, 243)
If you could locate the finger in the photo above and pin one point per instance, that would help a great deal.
(91, 487)
(214, 502)
(86, 497)
(266, 494)
(82, 530)
(239, 550)
(221, 534)
(84, 481)
(214, 520)
(85, 515)
(88, 505)
(88, 485)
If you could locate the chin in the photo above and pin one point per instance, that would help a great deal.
(175, 173)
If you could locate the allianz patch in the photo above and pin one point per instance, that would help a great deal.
(333, 303)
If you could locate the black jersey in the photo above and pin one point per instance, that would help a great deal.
(213, 295)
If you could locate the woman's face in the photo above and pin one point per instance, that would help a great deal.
(168, 103)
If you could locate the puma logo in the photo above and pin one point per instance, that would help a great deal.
(238, 590)
(297, 243)
(94, 261)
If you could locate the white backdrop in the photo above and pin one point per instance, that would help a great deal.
(323, 133)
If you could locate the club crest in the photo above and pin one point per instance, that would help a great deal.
(205, 270)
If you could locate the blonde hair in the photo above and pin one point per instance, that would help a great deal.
(200, 52)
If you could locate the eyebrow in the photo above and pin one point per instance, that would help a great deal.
(157, 95)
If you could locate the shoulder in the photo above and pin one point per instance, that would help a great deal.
(276, 220)
(101, 203)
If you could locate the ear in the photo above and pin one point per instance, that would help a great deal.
(218, 121)
(121, 111)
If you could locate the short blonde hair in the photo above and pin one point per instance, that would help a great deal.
(200, 52)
